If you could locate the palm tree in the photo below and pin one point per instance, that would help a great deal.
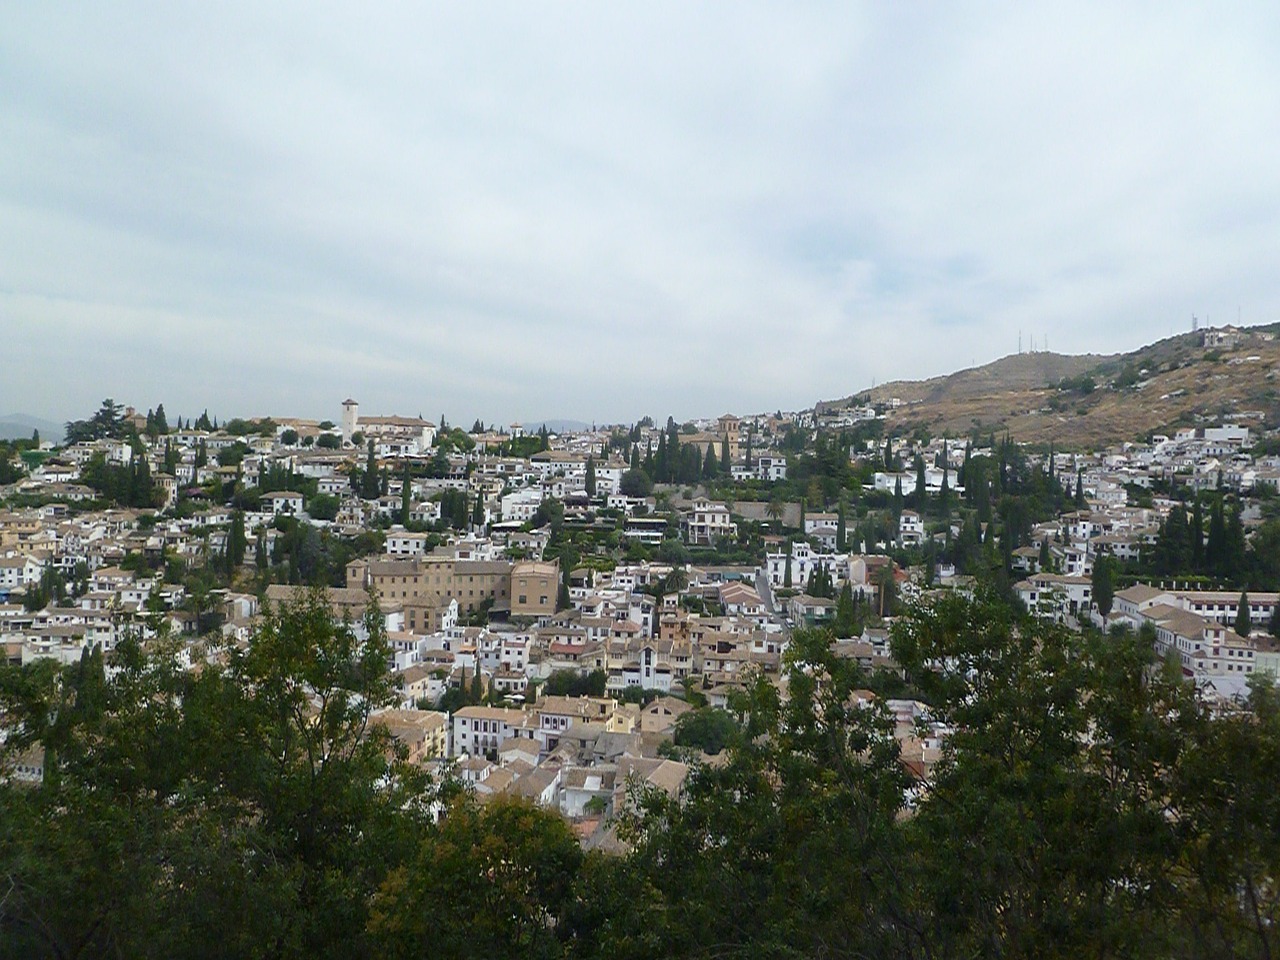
(774, 510)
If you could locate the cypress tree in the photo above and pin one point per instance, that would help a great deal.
(369, 485)
(1234, 554)
(726, 466)
(236, 541)
(1197, 536)
(845, 621)
(710, 466)
(591, 476)
(944, 492)
(1215, 551)
(1104, 588)
(406, 493)
(1244, 622)
(840, 528)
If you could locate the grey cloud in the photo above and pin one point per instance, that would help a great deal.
(599, 211)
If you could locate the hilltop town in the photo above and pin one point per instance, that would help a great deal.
(657, 568)
(612, 626)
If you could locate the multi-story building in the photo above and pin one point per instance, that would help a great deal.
(534, 585)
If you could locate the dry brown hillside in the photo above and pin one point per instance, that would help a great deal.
(1091, 401)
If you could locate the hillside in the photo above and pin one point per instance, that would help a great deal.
(1091, 400)
(18, 426)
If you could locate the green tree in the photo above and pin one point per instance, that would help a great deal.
(370, 487)
(636, 483)
(237, 542)
(591, 477)
(1044, 832)
(708, 729)
(1244, 623)
(323, 506)
(846, 624)
(491, 880)
(775, 509)
(406, 495)
(250, 809)
(1103, 584)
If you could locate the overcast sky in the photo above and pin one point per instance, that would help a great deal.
(598, 211)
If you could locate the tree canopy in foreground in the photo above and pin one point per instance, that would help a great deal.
(1086, 804)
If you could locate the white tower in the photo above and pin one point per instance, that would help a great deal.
(350, 418)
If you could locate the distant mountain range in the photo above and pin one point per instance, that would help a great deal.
(1091, 401)
(18, 426)
(556, 426)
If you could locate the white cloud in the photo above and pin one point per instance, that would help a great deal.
(599, 212)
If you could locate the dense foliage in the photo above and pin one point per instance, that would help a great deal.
(1086, 803)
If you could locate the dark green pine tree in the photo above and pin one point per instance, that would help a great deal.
(944, 492)
(635, 457)
(840, 528)
(370, 487)
(591, 477)
(406, 495)
(1104, 588)
(1215, 549)
(237, 542)
(1080, 501)
(710, 466)
(918, 495)
(1244, 622)
(477, 512)
(1234, 558)
(1197, 536)
(726, 466)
